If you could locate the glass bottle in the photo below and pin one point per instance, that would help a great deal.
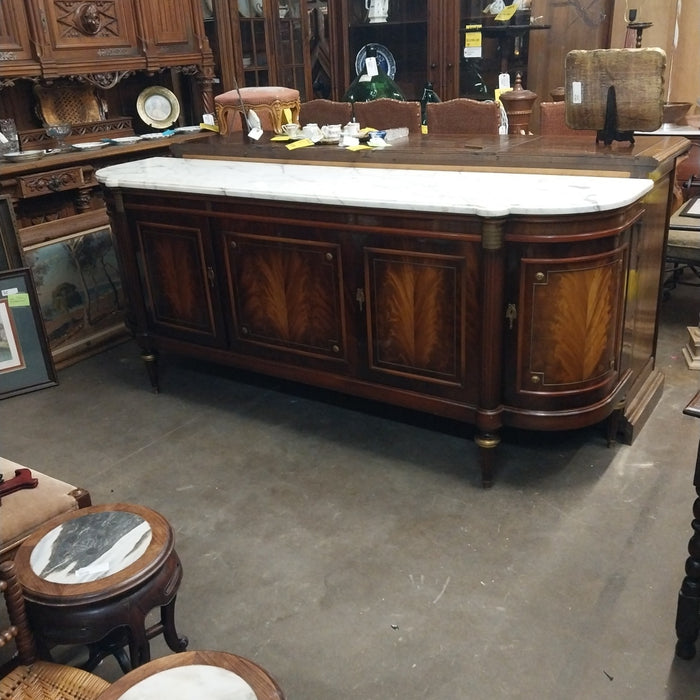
(428, 95)
(372, 83)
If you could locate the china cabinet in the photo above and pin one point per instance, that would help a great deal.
(424, 41)
(270, 44)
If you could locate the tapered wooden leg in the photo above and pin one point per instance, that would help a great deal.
(151, 361)
(487, 443)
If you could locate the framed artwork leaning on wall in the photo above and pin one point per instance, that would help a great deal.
(25, 359)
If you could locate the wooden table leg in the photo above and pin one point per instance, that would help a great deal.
(688, 611)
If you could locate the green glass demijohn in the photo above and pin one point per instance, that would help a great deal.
(372, 83)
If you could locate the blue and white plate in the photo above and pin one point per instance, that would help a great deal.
(385, 59)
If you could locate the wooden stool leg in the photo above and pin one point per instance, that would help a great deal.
(167, 620)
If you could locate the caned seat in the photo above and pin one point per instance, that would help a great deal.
(386, 113)
(268, 102)
(553, 120)
(32, 679)
(463, 116)
(322, 111)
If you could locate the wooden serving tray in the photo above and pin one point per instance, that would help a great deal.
(638, 77)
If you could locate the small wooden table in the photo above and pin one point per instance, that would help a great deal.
(688, 612)
(215, 675)
(90, 578)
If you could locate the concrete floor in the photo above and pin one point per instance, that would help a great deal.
(349, 549)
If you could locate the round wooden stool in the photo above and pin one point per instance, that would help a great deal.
(91, 577)
(215, 675)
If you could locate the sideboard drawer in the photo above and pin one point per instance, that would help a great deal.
(59, 180)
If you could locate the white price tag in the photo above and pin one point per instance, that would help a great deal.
(576, 92)
(371, 65)
(503, 81)
(255, 133)
(208, 119)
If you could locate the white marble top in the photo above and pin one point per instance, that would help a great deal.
(90, 547)
(190, 682)
(477, 193)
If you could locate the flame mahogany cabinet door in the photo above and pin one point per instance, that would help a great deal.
(565, 355)
(177, 278)
(285, 294)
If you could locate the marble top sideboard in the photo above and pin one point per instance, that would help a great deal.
(482, 194)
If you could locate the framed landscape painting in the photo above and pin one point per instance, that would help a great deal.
(25, 360)
(80, 293)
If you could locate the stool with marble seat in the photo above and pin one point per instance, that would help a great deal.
(215, 675)
(91, 577)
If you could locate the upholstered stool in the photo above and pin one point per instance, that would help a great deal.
(269, 103)
(197, 674)
(21, 512)
(91, 577)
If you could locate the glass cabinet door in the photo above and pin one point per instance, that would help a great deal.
(255, 46)
(400, 30)
(292, 53)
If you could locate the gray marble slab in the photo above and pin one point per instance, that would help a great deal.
(90, 547)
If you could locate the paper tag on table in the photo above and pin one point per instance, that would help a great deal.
(301, 143)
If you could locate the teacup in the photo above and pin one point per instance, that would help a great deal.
(292, 130)
(331, 132)
(312, 132)
(352, 129)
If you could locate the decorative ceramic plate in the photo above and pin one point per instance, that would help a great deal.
(21, 156)
(258, 6)
(385, 59)
(158, 107)
(90, 145)
(244, 8)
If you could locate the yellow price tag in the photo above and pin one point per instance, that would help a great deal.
(301, 143)
(506, 13)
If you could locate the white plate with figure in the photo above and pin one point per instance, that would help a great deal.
(89, 145)
(385, 59)
(158, 107)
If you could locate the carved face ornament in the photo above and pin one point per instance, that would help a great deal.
(89, 20)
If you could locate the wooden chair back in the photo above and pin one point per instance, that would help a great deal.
(386, 113)
(322, 112)
(26, 678)
(463, 116)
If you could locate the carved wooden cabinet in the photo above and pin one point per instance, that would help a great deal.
(17, 56)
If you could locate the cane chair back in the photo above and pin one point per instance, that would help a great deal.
(386, 113)
(322, 112)
(31, 679)
(463, 116)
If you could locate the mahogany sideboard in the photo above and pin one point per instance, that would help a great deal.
(472, 288)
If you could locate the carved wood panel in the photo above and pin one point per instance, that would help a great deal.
(287, 294)
(74, 24)
(15, 44)
(179, 280)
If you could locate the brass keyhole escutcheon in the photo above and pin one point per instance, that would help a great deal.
(539, 277)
